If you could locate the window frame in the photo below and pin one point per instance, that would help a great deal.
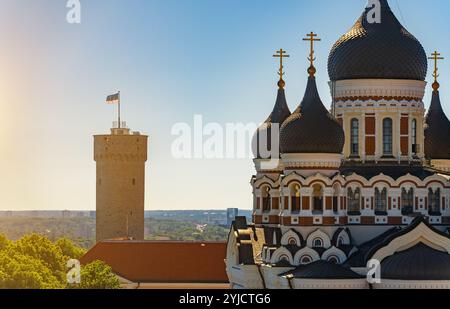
(354, 137)
(388, 138)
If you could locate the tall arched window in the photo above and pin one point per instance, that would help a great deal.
(381, 202)
(407, 201)
(295, 198)
(387, 137)
(415, 149)
(336, 194)
(354, 151)
(354, 202)
(266, 199)
(434, 202)
(317, 199)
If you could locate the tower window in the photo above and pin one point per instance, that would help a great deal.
(318, 199)
(266, 199)
(414, 136)
(336, 194)
(134, 181)
(407, 201)
(295, 198)
(381, 202)
(434, 201)
(354, 137)
(354, 202)
(387, 137)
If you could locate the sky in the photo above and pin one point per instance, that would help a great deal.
(171, 60)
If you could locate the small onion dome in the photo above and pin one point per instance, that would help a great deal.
(383, 50)
(311, 128)
(437, 133)
(279, 114)
(420, 262)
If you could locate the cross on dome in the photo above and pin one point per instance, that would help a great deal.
(281, 54)
(312, 37)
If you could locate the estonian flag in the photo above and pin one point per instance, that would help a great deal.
(113, 99)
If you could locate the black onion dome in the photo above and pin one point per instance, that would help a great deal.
(420, 262)
(383, 50)
(311, 128)
(437, 133)
(279, 114)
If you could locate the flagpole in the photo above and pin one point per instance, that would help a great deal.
(119, 111)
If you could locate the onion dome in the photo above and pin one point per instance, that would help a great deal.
(311, 128)
(279, 114)
(383, 50)
(420, 262)
(437, 133)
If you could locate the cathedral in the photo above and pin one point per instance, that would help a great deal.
(366, 183)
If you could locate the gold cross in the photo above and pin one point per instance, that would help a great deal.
(312, 37)
(281, 54)
(435, 57)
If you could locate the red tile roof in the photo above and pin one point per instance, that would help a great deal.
(168, 262)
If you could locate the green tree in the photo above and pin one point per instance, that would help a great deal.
(18, 271)
(34, 262)
(4, 242)
(41, 248)
(69, 250)
(98, 275)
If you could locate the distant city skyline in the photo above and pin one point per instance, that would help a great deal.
(171, 60)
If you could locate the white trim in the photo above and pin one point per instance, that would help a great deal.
(422, 233)
(279, 253)
(289, 235)
(333, 251)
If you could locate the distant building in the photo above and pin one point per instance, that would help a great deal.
(120, 159)
(232, 213)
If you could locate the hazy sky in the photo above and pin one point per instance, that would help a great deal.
(171, 59)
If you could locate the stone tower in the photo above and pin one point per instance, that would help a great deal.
(120, 159)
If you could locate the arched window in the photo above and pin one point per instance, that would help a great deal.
(266, 199)
(381, 202)
(306, 259)
(318, 243)
(340, 241)
(295, 198)
(415, 149)
(407, 201)
(284, 258)
(317, 199)
(336, 194)
(387, 137)
(434, 202)
(333, 259)
(292, 241)
(354, 143)
(354, 202)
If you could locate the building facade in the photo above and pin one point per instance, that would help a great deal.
(367, 180)
(120, 158)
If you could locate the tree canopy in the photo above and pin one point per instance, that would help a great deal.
(34, 262)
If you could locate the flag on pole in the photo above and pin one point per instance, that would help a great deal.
(113, 99)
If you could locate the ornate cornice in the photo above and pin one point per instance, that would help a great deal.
(376, 98)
